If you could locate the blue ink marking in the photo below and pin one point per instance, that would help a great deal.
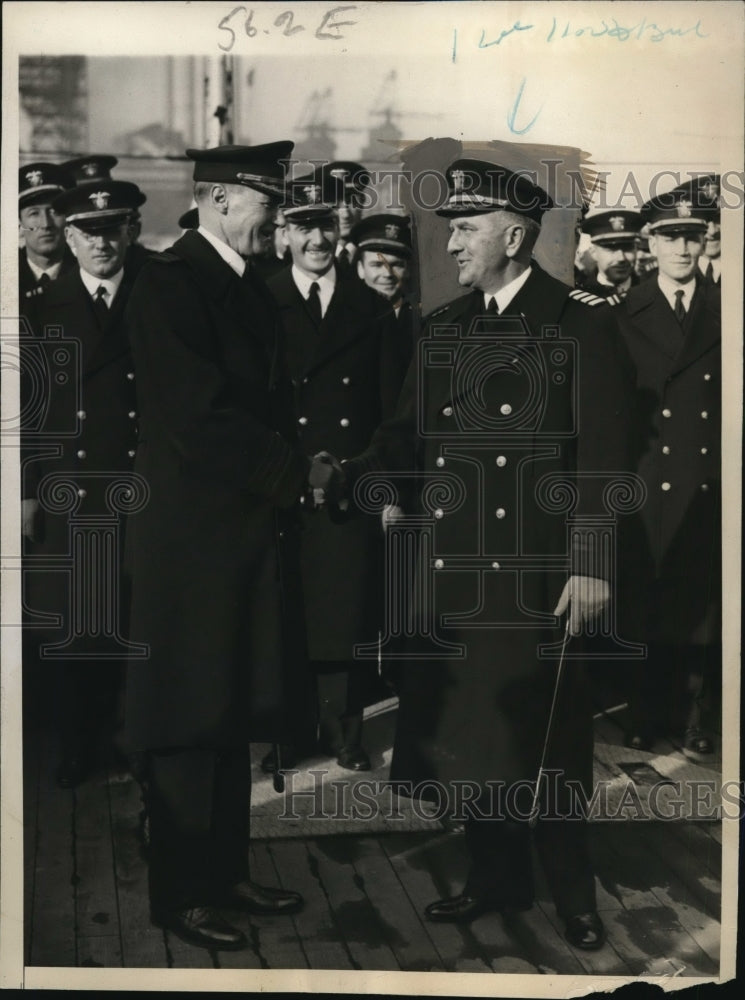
(513, 114)
(503, 34)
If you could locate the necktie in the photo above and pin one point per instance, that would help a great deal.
(709, 273)
(493, 308)
(342, 257)
(680, 313)
(44, 281)
(314, 304)
(99, 304)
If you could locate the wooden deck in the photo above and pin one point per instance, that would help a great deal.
(86, 896)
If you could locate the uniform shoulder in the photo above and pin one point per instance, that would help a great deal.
(587, 298)
(449, 309)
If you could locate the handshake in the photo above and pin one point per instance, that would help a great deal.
(327, 480)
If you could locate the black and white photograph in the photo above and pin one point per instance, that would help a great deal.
(371, 496)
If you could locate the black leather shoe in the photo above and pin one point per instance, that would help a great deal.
(288, 760)
(697, 746)
(586, 931)
(72, 771)
(260, 900)
(353, 758)
(201, 926)
(639, 741)
(463, 909)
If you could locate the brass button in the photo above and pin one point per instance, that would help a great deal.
(447, 411)
(501, 461)
(439, 513)
(439, 563)
(505, 409)
(345, 380)
(707, 377)
(439, 462)
(131, 453)
(705, 487)
(132, 414)
(500, 512)
(704, 451)
(495, 565)
(81, 414)
(704, 414)
(82, 493)
(82, 453)
(667, 413)
(130, 376)
(666, 487)
(665, 449)
(303, 421)
(344, 422)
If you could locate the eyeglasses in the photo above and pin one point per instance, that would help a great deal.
(109, 233)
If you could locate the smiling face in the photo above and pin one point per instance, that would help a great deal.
(312, 244)
(43, 233)
(677, 252)
(348, 215)
(249, 220)
(713, 240)
(100, 252)
(385, 273)
(615, 260)
(479, 245)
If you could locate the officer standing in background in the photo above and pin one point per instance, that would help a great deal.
(384, 263)
(481, 717)
(44, 256)
(613, 246)
(347, 363)
(344, 184)
(710, 261)
(672, 327)
(87, 306)
(213, 554)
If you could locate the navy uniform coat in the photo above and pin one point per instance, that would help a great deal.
(28, 286)
(94, 408)
(482, 716)
(679, 459)
(347, 375)
(212, 554)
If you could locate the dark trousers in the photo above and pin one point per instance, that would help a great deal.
(502, 868)
(199, 804)
(344, 689)
(674, 688)
(85, 702)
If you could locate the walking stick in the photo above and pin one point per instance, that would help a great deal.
(536, 805)
(278, 780)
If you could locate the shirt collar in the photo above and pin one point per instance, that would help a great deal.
(326, 285)
(506, 294)
(607, 283)
(230, 256)
(111, 284)
(716, 265)
(51, 272)
(668, 287)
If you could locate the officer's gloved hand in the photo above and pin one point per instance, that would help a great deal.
(585, 596)
(326, 477)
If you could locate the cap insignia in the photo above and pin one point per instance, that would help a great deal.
(459, 178)
(100, 199)
(684, 208)
(90, 169)
(313, 193)
(616, 223)
(393, 232)
(34, 177)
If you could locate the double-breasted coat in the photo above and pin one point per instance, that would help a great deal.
(212, 555)
(87, 435)
(347, 375)
(28, 285)
(487, 413)
(678, 455)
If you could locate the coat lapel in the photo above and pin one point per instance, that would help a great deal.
(703, 328)
(346, 321)
(650, 313)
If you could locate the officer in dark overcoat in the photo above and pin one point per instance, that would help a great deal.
(83, 447)
(344, 184)
(44, 255)
(347, 364)
(672, 327)
(213, 554)
(613, 236)
(517, 397)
